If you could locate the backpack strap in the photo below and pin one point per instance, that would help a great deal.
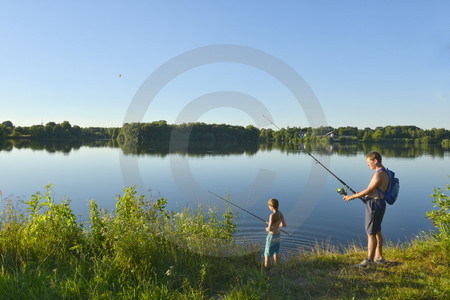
(379, 193)
(378, 189)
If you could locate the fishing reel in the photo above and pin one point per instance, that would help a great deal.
(341, 191)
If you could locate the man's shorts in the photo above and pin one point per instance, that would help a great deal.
(272, 244)
(375, 209)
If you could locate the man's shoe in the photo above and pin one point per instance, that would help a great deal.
(364, 263)
(379, 261)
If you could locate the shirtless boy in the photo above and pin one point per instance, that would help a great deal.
(276, 220)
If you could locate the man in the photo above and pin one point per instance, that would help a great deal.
(373, 197)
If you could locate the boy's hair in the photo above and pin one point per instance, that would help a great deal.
(374, 155)
(273, 202)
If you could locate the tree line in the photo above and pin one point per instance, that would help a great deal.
(57, 131)
(162, 132)
(354, 134)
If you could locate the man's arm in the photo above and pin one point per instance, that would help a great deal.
(373, 184)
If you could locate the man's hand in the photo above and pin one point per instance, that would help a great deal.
(347, 198)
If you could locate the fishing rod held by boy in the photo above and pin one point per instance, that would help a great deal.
(250, 213)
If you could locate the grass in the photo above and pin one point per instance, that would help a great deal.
(419, 270)
(143, 251)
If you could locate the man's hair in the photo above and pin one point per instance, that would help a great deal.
(273, 202)
(374, 155)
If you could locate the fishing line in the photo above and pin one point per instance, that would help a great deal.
(339, 190)
(271, 122)
(250, 213)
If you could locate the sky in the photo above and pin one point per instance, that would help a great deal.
(297, 63)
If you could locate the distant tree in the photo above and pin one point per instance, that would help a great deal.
(251, 133)
(367, 136)
(155, 131)
(8, 124)
(322, 130)
(278, 136)
(130, 133)
(48, 129)
(58, 131)
(438, 133)
(76, 131)
(425, 140)
(348, 131)
(6, 131)
(18, 131)
(66, 128)
(113, 132)
(389, 131)
(37, 131)
(3, 131)
(378, 135)
(266, 134)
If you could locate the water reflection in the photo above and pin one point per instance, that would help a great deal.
(193, 149)
(53, 146)
(405, 150)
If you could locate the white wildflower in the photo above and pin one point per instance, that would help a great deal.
(169, 271)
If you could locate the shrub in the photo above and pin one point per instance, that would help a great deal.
(51, 229)
(441, 216)
(139, 249)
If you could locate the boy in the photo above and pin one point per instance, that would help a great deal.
(276, 220)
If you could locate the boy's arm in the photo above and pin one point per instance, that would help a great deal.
(269, 224)
(283, 222)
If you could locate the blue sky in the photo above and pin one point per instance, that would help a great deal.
(368, 63)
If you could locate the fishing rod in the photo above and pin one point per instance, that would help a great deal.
(271, 122)
(340, 180)
(339, 190)
(250, 213)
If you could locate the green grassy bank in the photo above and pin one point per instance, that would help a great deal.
(143, 251)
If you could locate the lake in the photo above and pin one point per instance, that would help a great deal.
(247, 175)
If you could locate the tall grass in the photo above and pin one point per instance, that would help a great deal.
(141, 250)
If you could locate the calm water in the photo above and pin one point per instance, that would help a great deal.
(248, 176)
